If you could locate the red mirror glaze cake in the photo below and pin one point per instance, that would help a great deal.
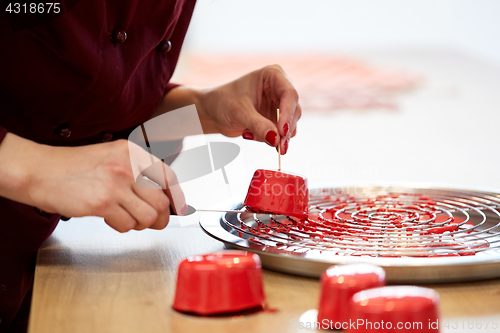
(217, 283)
(279, 193)
(338, 285)
(395, 308)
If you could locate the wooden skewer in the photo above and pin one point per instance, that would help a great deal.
(279, 141)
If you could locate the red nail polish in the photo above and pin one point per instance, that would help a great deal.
(271, 137)
(285, 147)
(286, 127)
(247, 135)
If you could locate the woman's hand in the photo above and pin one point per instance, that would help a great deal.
(95, 180)
(246, 106)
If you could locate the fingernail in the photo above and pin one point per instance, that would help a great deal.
(286, 127)
(285, 147)
(184, 209)
(271, 137)
(247, 135)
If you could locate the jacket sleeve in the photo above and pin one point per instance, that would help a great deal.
(3, 133)
(169, 87)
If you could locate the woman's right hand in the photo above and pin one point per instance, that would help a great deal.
(94, 180)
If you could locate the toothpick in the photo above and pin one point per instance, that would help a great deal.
(279, 141)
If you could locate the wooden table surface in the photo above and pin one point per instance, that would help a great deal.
(90, 278)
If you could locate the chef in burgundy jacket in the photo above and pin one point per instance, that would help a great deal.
(72, 84)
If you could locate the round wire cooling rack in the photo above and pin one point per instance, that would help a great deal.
(421, 235)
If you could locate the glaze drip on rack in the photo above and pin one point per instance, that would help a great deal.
(375, 223)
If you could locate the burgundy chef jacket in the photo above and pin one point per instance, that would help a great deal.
(89, 74)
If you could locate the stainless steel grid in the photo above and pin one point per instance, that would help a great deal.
(381, 225)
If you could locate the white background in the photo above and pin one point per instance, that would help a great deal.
(331, 25)
(445, 133)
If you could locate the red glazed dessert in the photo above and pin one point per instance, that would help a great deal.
(279, 193)
(397, 308)
(338, 285)
(217, 283)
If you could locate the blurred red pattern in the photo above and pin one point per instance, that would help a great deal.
(324, 82)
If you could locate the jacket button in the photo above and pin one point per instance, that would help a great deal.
(165, 46)
(106, 136)
(119, 36)
(63, 131)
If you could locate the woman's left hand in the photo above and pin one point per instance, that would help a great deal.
(248, 107)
